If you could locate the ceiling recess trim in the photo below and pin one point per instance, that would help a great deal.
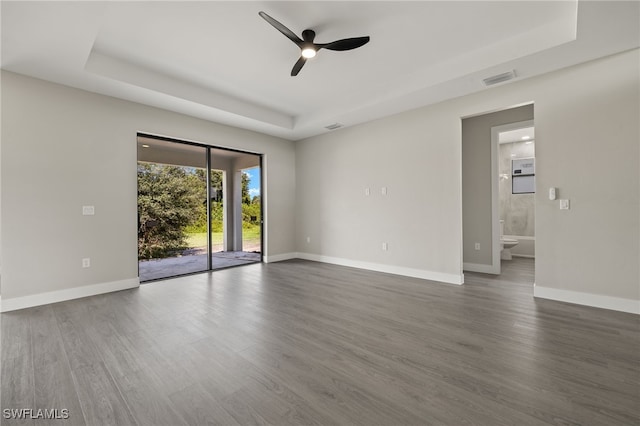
(121, 70)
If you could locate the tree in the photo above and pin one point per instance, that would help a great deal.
(217, 202)
(246, 179)
(200, 224)
(250, 206)
(169, 200)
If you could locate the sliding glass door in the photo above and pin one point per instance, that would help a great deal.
(236, 218)
(199, 208)
(172, 198)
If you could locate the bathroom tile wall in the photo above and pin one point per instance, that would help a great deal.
(517, 210)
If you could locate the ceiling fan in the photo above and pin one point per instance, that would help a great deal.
(308, 48)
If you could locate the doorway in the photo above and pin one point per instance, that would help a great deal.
(199, 208)
(481, 243)
(513, 152)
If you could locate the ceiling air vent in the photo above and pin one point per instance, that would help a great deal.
(499, 78)
(333, 126)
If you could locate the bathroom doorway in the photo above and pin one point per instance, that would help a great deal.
(513, 170)
(481, 232)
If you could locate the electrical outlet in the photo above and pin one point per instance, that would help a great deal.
(308, 240)
(88, 210)
(385, 246)
(383, 190)
(367, 191)
(86, 262)
(564, 205)
(477, 246)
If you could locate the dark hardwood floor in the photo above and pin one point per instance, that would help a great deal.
(299, 342)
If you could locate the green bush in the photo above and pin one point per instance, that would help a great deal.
(169, 201)
(172, 205)
(251, 213)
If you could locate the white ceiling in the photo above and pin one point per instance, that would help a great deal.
(220, 61)
(518, 135)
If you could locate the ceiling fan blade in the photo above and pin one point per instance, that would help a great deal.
(345, 44)
(298, 66)
(284, 30)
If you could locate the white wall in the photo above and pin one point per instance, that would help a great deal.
(587, 139)
(416, 155)
(63, 148)
(588, 146)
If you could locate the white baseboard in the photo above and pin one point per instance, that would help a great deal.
(23, 302)
(477, 267)
(595, 300)
(279, 257)
(389, 269)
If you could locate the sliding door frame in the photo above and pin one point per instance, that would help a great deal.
(208, 149)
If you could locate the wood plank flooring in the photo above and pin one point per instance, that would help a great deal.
(305, 343)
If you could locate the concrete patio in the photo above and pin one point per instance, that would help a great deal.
(195, 260)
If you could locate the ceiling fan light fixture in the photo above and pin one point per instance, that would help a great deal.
(308, 47)
(308, 52)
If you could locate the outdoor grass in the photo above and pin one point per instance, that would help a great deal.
(199, 239)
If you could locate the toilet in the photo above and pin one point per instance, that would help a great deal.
(506, 244)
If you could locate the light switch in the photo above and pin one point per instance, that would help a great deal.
(564, 204)
(383, 191)
(367, 191)
(88, 210)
